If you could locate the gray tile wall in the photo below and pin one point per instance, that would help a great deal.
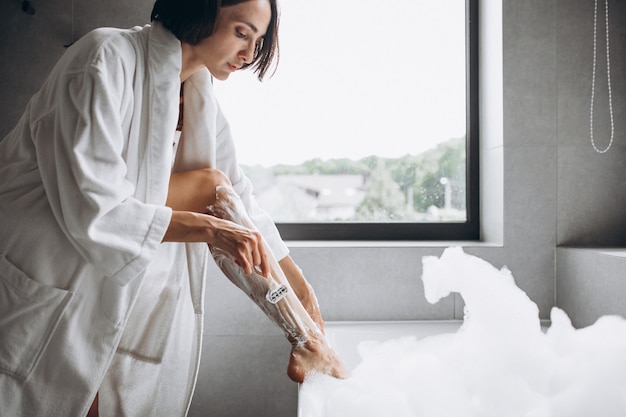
(591, 282)
(31, 44)
(592, 186)
(543, 186)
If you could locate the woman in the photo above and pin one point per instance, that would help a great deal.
(103, 247)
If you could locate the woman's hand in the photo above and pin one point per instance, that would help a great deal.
(244, 245)
(189, 194)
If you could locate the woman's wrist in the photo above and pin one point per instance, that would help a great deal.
(187, 226)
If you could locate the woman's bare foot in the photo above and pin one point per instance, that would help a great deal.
(315, 356)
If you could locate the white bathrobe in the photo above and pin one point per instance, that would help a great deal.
(86, 287)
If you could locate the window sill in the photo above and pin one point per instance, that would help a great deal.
(388, 244)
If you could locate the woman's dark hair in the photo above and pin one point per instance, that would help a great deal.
(193, 20)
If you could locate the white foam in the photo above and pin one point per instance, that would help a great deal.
(498, 364)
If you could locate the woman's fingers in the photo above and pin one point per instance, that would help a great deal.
(245, 246)
(258, 256)
(262, 260)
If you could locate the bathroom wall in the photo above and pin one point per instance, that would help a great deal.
(591, 186)
(30, 45)
(543, 186)
(591, 279)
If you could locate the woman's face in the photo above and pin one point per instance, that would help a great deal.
(238, 33)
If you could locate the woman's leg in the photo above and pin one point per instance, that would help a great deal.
(209, 190)
(311, 353)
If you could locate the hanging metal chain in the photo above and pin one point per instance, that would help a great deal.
(608, 75)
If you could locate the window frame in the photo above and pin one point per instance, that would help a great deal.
(420, 231)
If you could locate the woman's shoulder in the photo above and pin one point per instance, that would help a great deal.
(106, 46)
(117, 36)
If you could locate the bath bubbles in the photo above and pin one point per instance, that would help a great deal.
(500, 363)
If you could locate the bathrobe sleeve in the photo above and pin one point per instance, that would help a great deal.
(80, 144)
(227, 159)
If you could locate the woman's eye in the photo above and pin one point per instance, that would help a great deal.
(240, 34)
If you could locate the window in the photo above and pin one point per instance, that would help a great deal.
(368, 130)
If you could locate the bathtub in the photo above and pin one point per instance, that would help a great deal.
(344, 337)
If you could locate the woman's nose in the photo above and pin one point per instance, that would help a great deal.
(248, 54)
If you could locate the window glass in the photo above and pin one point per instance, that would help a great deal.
(365, 119)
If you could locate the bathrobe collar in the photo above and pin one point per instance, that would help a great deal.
(164, 68)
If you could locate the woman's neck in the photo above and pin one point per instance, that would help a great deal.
(190, 64)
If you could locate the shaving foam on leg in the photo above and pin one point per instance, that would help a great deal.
(311, 352)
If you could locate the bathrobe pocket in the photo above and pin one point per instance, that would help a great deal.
(148, 328)
(29, 314)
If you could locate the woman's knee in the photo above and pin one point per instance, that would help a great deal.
(211, 178)
(195, 190)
